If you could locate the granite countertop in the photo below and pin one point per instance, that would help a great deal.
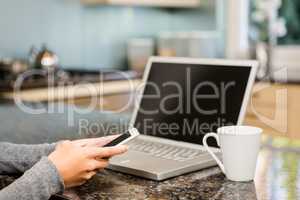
(277, 178)
(205, 184)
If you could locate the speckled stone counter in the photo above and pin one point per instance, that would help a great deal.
(277, 178)
(205, 184)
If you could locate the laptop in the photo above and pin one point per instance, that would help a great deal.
(180, 100)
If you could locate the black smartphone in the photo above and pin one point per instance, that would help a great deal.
(59, 197)
(123, 138)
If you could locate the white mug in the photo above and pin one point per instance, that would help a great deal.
(239, 147)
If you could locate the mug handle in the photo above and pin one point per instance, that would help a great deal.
(210, 151)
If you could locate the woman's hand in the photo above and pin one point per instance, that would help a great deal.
(78, 163)
(95, 142)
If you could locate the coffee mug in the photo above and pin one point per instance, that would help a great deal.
(239, 146)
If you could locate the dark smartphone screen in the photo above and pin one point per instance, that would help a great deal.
(59, 197)
(119, 139)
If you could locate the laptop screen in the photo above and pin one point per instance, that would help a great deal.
(184, 101)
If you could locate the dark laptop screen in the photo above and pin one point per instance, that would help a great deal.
(184, 101)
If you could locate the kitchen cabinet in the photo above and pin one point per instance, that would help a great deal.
(152, 3)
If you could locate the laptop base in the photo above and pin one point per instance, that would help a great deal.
(154, 168)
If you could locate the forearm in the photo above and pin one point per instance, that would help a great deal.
(38, 183)
(15, 158)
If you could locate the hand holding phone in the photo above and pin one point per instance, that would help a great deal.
(124, 138)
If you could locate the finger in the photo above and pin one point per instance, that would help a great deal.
(106, 151)
(87, 142)
(96, 142)
(109, 152)
(75, 184)
(99, 142)
(89, 175)
(96, 165)
(79, 183)
(103, 159)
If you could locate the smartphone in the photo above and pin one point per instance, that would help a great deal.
(59, 197)
(123, 138)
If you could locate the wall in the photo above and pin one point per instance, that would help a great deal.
(87, 37)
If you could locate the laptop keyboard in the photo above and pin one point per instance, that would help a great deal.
(165, 151)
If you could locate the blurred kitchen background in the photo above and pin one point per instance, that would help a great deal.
(93, 36)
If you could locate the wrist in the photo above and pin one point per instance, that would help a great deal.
(56, 177)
